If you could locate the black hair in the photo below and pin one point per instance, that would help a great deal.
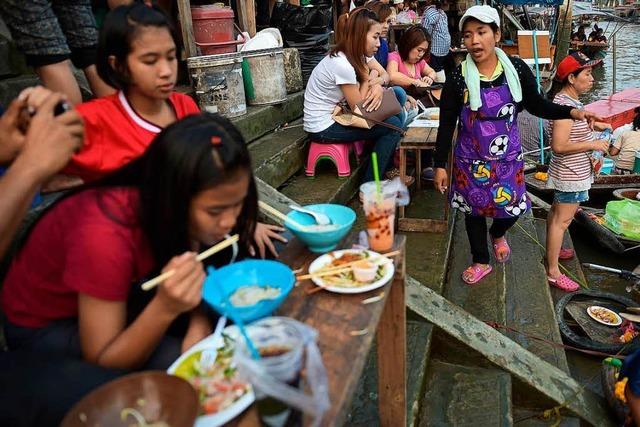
(636, 119)
(120, 28)
(494, 27)
(181, 162)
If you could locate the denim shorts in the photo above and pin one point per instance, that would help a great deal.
(571, 196)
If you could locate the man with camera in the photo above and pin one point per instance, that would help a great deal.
(38, 135)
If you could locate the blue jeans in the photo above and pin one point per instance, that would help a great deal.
(385, 139)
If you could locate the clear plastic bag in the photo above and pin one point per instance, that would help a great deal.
(623, 217)
(390, 186)
(269, 376)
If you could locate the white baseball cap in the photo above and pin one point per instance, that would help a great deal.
(483, 13)
(398, 1)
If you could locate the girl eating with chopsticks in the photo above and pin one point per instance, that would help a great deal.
(71, 291)
(137, 54)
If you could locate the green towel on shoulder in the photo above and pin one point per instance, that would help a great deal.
(472, 79)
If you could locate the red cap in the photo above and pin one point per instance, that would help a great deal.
(574, 62)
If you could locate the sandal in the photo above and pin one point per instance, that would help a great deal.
(395, 172)
(477, 272)
(501, 249)
(566, 253)
(563, 283)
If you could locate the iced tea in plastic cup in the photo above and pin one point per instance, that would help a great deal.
(380, 212)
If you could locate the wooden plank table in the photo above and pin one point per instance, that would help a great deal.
(346, 330)
(417, 139)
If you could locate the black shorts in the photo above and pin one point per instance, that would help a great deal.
(48, 32)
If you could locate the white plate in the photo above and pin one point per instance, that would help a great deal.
(226, 415)
(618, 318)
(325, 259)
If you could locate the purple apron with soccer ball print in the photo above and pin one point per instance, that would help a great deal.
(488, 170)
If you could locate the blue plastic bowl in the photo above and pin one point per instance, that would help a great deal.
(323, 241)
(224, 281)
(607, 166)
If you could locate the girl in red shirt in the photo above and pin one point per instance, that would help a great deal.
(137, 55)
(69, 292)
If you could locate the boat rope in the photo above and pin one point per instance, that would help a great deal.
(498, 326)
(555, 413)
(537, 65)
(562, 267)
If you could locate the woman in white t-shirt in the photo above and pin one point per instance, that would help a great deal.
(349, 72)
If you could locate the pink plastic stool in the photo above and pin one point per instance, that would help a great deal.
(338, 153)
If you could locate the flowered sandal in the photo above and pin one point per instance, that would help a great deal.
(563, 283)
(566, 253)
(475, 272)
(501, 249)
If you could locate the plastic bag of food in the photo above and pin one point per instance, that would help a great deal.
(286, 347)
(623, 217)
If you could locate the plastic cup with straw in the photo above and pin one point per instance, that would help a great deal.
(376, 176)
(380, 216)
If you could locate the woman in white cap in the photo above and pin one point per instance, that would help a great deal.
(484, 94)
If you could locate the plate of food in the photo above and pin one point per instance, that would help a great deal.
(604, 315)
(222, 395)
(366, 271)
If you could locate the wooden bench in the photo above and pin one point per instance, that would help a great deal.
(346, 330)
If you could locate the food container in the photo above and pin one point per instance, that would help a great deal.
(364, 271)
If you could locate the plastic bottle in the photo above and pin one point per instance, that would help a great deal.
(597, 156)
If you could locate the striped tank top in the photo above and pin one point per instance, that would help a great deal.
(571, 172)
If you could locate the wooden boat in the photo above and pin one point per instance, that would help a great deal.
(602, 184)
(617, 243)
(590, 219)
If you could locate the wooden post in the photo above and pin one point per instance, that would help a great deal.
(392, 353)
(614, 64)
(247, 16)
(184, 14)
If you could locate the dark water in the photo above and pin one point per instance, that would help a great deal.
(627, 62)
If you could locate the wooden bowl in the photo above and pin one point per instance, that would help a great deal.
(157, 396)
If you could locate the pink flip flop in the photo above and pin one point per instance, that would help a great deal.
(501, 247)
(477, 273)
(566, 253)
(564, 283)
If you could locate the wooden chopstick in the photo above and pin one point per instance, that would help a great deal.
(150, 284)
(280, 215)
(323, 273)
(347, 264)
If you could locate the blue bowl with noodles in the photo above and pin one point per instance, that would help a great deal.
(221, 287)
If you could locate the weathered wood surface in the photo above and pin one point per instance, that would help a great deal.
(499, 349)
(274, 198)
(336, 316)
(247, 16)
(391, 342)
(184, 13)
(485, 301)
(424, 138)
(530, 308)
(466, 396)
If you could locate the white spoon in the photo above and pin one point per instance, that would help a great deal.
(321, 219)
